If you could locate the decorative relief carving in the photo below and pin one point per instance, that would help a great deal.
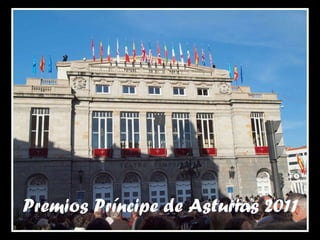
(225, 88)
(179, 84)
(152, 82)
(103, 81)
(79, 83)
(203, 84)
(129, 82)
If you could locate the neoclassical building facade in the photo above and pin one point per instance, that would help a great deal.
(140, 131)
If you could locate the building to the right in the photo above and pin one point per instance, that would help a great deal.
(297, 168)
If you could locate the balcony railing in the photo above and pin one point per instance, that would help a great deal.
(208, 152)
(183, 152)
(130, 152)
(102, 152)
(38, 152)
(262, 150)
(157, 152)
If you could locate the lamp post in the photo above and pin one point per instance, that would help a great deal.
(80, 173)
(190, 169)
(231, 172)
(230, 187)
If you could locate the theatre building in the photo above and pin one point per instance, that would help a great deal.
(140, 131)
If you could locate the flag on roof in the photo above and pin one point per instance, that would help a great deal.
(92, 49)
(181, 54)
(189, 58)
(235, 73)
(150, 54)
(143, 51)
(241, 76)
(230, 72)
(127, 54)
(101, 52)
(173, 56)
(108, 53)
(159, 53)
(203, 57)
(166, 52)
(34, 66)
(210, 56)
(134, 52)
(118, 52)
(42, 63)
(196, 56)
(50, 65)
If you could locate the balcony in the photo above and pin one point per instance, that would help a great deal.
(130, 152)
(262, 150)
(157, 152)
(102, 152)
(208, 152)
(183, 152)
(38, 152)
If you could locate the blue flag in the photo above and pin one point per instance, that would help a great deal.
(34, 66)
(50, 65)
(230, 72)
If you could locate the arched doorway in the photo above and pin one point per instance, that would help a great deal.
(37, 188)
(209, 186)
(131, 190)
(158, 189)
(103, 188)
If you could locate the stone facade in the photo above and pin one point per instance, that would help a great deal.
(72, 98)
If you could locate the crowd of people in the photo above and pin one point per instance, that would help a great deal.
(291, 217)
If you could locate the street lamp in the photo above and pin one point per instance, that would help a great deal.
(231, 172)
(80, 172)
(190, 169)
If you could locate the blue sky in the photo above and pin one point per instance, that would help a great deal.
(271, 45)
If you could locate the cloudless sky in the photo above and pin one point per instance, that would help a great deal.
(271, 46)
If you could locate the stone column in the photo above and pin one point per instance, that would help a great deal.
(194, 137)
(116, 135)
(169, 139)
(143, 135)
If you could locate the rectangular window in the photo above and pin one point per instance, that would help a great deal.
(205, 130)
(39, 135)
(258, 129)
(129, 89)
(154, 90)
(156, 135)
(101, 88)
(178, 91)
(129, 130)
(181, 130)
(203, 92)
(102, 136)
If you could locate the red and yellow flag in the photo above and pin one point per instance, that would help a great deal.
(134, 53)
(301, 165)
(196, 56)
(41, 64)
